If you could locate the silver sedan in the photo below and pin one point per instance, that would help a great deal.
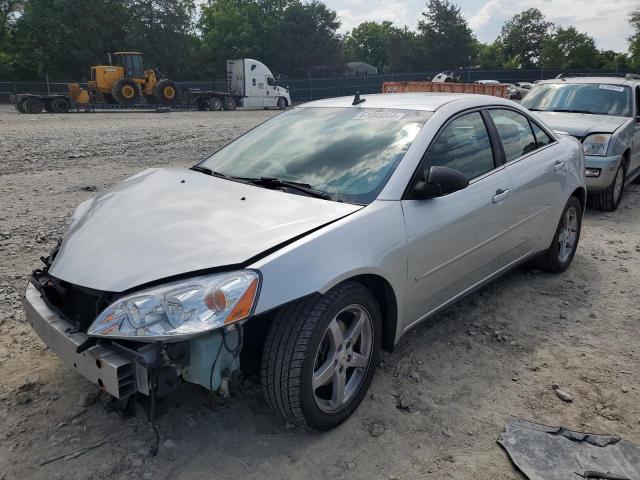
(307, 245)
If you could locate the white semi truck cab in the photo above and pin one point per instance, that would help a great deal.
(254, 85)
(249, 84)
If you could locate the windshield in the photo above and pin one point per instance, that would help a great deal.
(348, 153)
(596, 98)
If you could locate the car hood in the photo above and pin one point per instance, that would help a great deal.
(166, 222)
(581, 124)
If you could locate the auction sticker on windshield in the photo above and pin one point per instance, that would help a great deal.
(379, 116)
(615, 88)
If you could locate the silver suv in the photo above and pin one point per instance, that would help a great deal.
(604, 114)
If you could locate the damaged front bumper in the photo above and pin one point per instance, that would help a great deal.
(123, 368)
(110, 370)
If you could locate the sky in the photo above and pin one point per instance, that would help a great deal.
(605, 21)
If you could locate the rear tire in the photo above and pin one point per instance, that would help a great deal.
(215, 104)
(33, 105)
(229, 103)
(316, 364)
(60, 105)
(557, 259)
(125, 91)
(608, 199)
(166, 92)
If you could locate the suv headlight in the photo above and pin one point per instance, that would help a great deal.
(181, 309)
(596, 144)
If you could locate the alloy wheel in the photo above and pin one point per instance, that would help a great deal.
(343, 358)
(568, 235)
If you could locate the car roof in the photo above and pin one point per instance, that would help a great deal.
(606, 80)
(423, 101)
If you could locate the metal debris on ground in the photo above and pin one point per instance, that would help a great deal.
(542, 452)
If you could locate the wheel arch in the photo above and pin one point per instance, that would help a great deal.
(387, 301)
(581, 194)
(626, 158)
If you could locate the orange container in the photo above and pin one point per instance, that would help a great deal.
(405, 87)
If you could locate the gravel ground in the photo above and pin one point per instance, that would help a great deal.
(437, 403)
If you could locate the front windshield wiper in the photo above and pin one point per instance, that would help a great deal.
(208, 171)
(272, 182)
(570, 110)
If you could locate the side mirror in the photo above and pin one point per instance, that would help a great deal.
(439, 181)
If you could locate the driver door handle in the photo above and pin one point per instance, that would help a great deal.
(558, 165)
(500, 195)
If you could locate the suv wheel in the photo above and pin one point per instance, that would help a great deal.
(609, 198)
(320, 356)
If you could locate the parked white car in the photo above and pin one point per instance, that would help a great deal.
(312, 252)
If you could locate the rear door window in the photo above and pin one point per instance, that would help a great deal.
(515, 133)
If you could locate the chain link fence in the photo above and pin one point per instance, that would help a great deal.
(314, 88)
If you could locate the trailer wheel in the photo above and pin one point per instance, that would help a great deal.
(229, 103)
(33, 105)
(202, 104)
(125, 91)
(20, 107)
(215, 103)
(60, 105)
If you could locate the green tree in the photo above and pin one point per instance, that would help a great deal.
(489, 55)
(164, 31)
(8, 10)
(522, 37)
(383, 45)
(568, 48)
(291, 37)
(446, 36)
(370, 42)
(634, 39)
(64, 37)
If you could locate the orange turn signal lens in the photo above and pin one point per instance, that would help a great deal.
(244, 305)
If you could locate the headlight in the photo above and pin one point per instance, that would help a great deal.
(596, 144)
(180, 310)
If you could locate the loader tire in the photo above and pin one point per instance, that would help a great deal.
(166, 92)
(60, 105)
(125, 91)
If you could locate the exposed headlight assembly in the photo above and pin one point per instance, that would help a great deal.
(596, 144)
(180, 310)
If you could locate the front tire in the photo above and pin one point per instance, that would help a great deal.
(166, 92)
(229, 103)
(282, 103)
(320, 356)
(609, 198)
(559, 255)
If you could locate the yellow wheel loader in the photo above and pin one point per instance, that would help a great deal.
(118, 85)
(127, 80)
